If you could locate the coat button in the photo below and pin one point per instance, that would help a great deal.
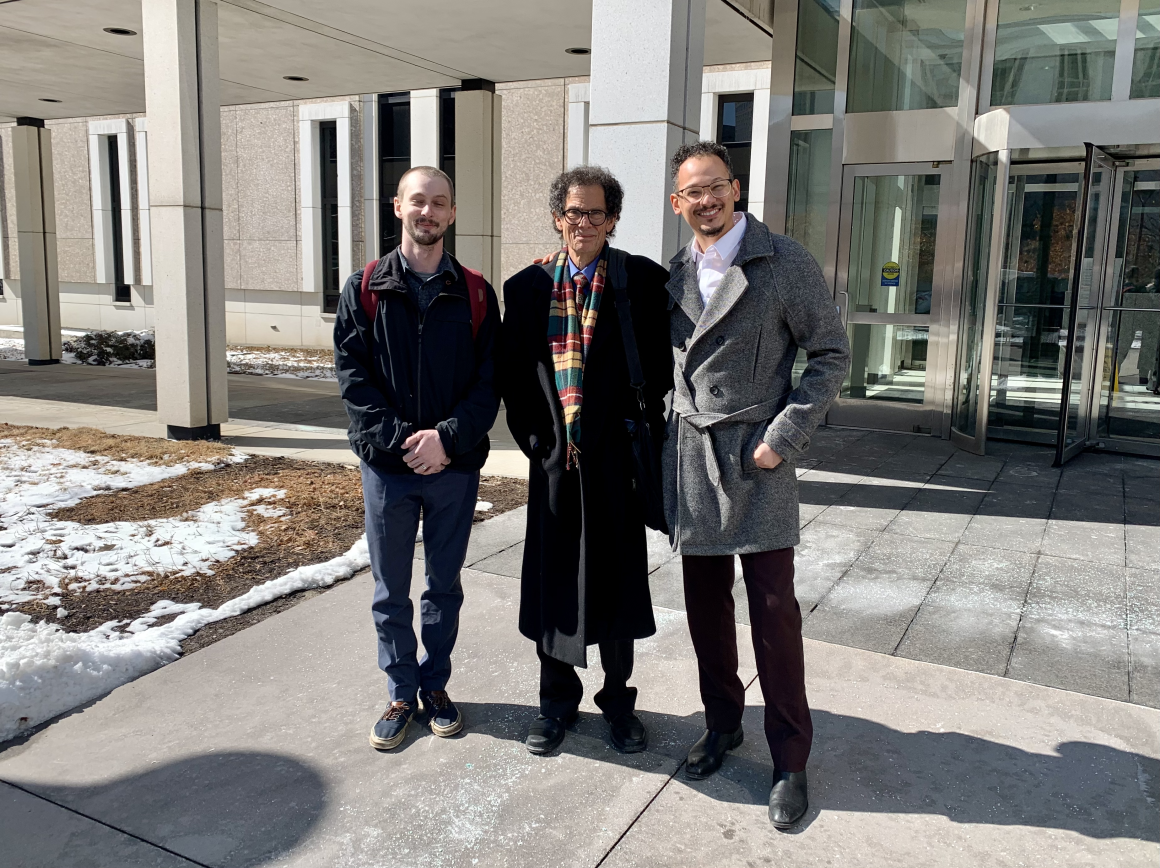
(720, 340)
(448, 282)
(713, 390)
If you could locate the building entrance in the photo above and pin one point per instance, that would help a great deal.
(892, 270)
(1059, 336)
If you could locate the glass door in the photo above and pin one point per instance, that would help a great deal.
(892, 270)
(1087, 271)
(1128, 415)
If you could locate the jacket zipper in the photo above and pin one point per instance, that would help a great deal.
(419, 373)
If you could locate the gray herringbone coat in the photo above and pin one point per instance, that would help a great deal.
(732, 367)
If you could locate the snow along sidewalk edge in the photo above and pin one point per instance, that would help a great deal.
(45, 671)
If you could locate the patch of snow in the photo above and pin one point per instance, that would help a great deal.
(45, 671)
(40, 555)
(482, 506)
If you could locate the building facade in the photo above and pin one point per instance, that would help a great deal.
(979, 180)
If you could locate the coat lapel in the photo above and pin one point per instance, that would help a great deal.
(683, 287)
(755, 243)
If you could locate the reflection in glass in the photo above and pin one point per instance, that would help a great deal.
(807, 202)
(1130, 405)
(892, 244)
(447, 150)
(817, 57)
(1131, 380)
(735, 132)
(974, 303)
(1054, 51)
(1031, 334)
(1041, 223)
(1027, 372)
(905, 54)
(1146, 61)
(888, 362)
(1137, 256)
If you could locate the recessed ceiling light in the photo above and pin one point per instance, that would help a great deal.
(48, 99)
(120, 31)
(295, 78)
(577, 50)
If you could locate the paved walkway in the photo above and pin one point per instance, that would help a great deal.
(253, 751)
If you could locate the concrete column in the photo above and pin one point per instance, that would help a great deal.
(185, 187)
(478, 131)
(578, 96)
(369, 119)
(141, 128)
(36, 241)
(425, 127)
(647, 62)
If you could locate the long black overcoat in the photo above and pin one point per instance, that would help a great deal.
(585, 567)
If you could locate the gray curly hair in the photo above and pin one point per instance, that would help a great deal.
(586, 176)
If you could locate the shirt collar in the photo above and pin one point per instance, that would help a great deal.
(725, 246)
(445, 265)
(589, 269)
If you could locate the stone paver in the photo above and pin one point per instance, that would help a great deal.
(253, 752)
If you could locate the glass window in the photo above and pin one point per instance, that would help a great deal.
(394, 160)
(1137, 255)
(328, 198)
(1054, 51)
(892, 244)
(905, 54)
(1146, 64)
(121, 292)
(817, 57)
(808, 202)
(887, 362)
(1131, 387)
(735, 132)
(447, 150)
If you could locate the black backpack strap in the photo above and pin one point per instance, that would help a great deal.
(616, 267)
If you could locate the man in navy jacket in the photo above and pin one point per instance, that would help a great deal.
(417, 382)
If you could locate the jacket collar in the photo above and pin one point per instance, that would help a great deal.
(388, 274)
(685, 288)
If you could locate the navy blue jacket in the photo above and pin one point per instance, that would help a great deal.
(406, 372)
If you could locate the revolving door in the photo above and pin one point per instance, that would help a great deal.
(1060, 321)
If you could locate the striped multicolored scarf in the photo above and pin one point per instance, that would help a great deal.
(571, 323)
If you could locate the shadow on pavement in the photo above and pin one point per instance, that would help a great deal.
(238, 807)
(858, 765)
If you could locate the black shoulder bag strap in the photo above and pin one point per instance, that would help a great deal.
(645, 449)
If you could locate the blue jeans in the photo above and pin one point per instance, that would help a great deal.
(393, 502)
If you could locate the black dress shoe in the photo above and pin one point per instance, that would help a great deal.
(547, 733)
(627, 733)
(706, 755)
(787, 801)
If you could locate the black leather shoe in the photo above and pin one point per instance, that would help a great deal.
(627, 733)
(706, 755)
(547, 733)
(787, 801)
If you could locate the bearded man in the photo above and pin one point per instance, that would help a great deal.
(414, 339)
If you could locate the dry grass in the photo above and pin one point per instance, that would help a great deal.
(323, 519)
(124, 447)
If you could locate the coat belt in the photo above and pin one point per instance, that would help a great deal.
(702, 423)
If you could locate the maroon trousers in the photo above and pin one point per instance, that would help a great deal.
(776, 624)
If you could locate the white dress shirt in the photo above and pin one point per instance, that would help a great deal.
(714, 262)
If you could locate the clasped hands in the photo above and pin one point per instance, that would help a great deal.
(425, 455)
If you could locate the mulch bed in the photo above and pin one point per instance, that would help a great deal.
(324, 518)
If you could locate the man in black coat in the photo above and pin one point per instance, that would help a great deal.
(414, 356)
(585, 570)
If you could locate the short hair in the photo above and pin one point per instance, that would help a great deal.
(586, 176)
(427, 172)
(702, 148)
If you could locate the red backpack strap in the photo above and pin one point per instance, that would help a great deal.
(477, 293)
(367, 297)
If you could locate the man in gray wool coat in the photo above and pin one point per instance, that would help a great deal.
(742, 302)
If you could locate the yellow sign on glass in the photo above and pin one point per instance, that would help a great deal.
(890, 272)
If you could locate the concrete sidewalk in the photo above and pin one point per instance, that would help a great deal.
(253, 752)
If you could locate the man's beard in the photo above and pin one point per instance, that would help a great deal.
(425, 236)
(711, 231)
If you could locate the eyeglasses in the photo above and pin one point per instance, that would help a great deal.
(595, 218)
(719, 189)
